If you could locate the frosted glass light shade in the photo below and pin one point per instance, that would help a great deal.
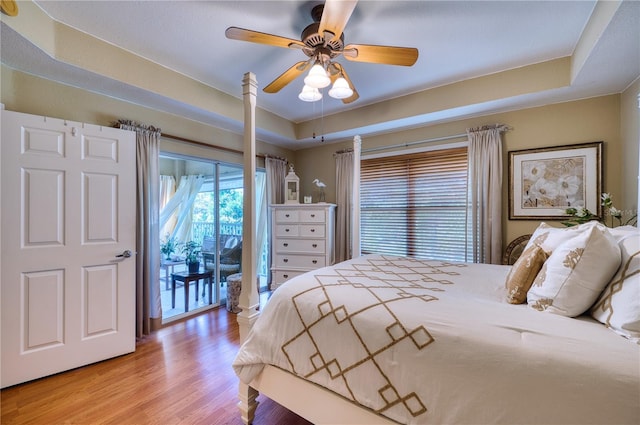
(340, 89)
(317, 77)
(310, 94)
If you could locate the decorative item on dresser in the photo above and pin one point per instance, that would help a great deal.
(303, 240)
(320, 185)
(292, 187)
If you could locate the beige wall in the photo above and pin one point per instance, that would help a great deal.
(22, 92)
(612, 119)
(561, 124)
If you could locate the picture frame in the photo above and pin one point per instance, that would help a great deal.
(544, 182)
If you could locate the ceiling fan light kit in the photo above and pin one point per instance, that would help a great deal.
(310, 94)
(317, 77)
(340, 89)
(323, 41)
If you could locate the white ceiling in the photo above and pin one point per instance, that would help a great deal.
(457, 40)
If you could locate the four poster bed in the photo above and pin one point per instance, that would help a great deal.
(385, 339)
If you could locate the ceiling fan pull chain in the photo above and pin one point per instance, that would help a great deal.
(322, 120)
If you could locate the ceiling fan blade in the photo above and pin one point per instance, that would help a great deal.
(286, 77)
(335, 15)
(390, 55)
(336, 70)
(242, 34)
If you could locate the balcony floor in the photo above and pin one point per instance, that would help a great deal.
(195, 306)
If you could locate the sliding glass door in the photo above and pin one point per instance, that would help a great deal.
(202, 203)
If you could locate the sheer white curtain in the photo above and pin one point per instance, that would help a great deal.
(261, 207)
(344, 202)
(181, 205)
(485, 193)
(148, 302)
(167, 190)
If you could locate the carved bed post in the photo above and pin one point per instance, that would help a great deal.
(249, 294)
(355, 219)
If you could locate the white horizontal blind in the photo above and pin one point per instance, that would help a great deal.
(415, 204)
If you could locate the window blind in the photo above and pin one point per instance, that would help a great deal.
(415, 205)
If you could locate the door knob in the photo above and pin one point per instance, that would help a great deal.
(125, 254)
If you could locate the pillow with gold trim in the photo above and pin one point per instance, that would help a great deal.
(523, 272)
(575, 274)
(619, 305)
(549, 238)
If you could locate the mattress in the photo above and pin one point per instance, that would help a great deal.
(424, 341)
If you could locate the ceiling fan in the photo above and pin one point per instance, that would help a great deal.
(322, 42)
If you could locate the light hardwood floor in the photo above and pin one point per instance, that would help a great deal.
(180, 375)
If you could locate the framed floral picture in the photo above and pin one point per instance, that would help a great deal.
(544, 182)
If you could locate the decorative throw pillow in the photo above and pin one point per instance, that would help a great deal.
(523, 272)
(575, 273)
(619, 305)
(549, 238)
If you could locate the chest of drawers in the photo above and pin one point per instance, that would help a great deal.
(303, 239)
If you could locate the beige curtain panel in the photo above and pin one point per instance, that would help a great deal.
(344, 185)
(148, 302)
(485, 193)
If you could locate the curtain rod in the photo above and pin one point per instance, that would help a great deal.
(276, 157)
(344, 151)
(404, 145)
(206, 145)
(501, 127)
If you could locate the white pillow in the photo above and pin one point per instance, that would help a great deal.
(549, 238)
(619, 305)
(575, 273)
(621, 232)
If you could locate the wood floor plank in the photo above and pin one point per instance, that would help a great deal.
(179, 375)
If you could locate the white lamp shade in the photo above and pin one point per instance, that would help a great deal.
(317, 77)
(340, 89)
(309, 94)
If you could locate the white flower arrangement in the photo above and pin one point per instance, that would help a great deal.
(582, 215)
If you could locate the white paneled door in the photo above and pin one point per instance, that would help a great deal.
(68, 236)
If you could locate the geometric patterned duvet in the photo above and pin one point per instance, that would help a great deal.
(424, 341)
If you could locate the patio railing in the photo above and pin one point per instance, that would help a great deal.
(201, 229)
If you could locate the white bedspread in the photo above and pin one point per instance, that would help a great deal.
(429, 342)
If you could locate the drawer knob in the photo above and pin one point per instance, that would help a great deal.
(285, 244)
(286, 260)
(285, 276)
(286, 215)
(315, 261)
(286, 230)
(315, 245)
(313, 230)
(313, 215)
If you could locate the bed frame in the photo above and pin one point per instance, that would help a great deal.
(302, 397)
